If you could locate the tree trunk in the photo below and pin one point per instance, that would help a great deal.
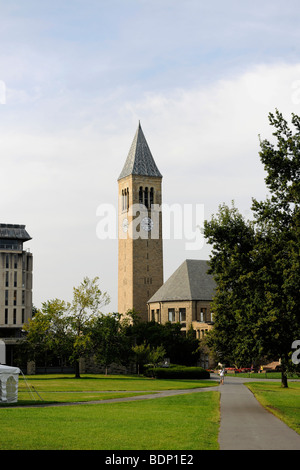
(77, 372)
(284, 382)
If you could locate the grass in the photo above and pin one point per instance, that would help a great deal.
(109, 382)
(188, 421)
(66, 388)
(27, 398)
(262, 375)
(183, 422)
(282, 402)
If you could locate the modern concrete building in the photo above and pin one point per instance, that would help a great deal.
(15, 285)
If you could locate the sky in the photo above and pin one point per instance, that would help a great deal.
(76, 77)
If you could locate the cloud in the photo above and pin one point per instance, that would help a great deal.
(216, 127)
(74, 98)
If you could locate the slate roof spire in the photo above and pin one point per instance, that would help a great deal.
(140, 160)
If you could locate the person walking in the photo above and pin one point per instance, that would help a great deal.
(222, 373)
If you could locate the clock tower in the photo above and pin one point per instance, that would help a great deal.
(140, 269)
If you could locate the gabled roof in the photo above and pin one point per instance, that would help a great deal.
(189, 282)
(140, 160)
(14, 232)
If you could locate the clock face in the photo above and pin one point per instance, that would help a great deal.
(125, 225)
(147, 224)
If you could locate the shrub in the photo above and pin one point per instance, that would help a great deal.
(177, 372)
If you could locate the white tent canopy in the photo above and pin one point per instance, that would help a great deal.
(9, 380)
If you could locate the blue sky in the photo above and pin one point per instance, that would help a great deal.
(77, 76)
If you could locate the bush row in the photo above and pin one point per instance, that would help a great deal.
(179, 372)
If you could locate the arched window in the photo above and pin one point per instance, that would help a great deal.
(146, 198)
(151, 197)
(141, 196)
(127, 199)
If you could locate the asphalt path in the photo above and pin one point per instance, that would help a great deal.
(246, 425)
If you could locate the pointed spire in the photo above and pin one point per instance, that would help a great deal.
(140, 160)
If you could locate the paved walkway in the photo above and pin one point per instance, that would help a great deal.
(246, 425)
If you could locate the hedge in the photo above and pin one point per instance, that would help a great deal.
(177, 373)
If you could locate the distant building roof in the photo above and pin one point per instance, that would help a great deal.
(14, 232)
(140, 160)
(189, 282)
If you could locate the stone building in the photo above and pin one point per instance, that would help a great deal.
(186, 298)
(140, 262)
(15, 285)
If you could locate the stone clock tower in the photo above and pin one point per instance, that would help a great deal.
(140, 270)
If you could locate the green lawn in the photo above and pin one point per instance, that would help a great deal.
(183, 422)
(282, 402)
(66, 388)
(26, 398)
(262, 375)
(109, 382)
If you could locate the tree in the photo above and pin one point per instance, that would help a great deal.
(278, 222)
(63, 329)
(256, 264)
(46, 333)
(142, 354)
(178, 348)
(109, 342)
(84, 308)
(156, 355)
(231, 263)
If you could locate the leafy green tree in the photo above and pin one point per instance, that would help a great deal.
(109, 341)
(84, 308)
(256, 264)
(233, 240)
(180, 349)
(46, 333)
(278, 222)
(146, 355)
(36, 341)
(142, 354)
(156, 355)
